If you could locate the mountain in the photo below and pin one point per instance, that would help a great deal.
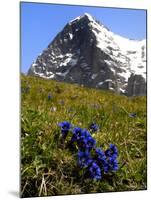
(88, 53)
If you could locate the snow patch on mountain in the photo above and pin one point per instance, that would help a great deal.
(130, 53)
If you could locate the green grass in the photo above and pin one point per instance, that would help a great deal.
(47, 168)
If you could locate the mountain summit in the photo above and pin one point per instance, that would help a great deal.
(88, 53)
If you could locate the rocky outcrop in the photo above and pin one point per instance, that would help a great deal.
(136, 86)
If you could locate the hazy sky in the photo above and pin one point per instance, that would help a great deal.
(41, 22)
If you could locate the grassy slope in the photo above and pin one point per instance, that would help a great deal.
(47, 169)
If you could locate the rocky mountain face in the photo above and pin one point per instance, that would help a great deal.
(87, 53)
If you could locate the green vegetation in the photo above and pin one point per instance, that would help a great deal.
(48, 168)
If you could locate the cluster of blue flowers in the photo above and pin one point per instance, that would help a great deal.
(94, 160)
(93, 127)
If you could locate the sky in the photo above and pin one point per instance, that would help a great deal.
(40, 23)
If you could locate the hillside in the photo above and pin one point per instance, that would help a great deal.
(48, 168)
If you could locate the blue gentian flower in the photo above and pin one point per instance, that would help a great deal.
(133, 115)
(85, 133)
(76, 134)
(112, 151)
(112, 164)
(90, 143)
(65, 127)
(94, 171)
(93, 127)
(49, 97)
(85, 140)
(101, 159)
(82, 143)
(100, 153)
(111, 154)
(84, 159)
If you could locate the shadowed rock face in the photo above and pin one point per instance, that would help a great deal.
(87, 53)
(136, 86)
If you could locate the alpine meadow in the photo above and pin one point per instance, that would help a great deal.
(50, 167)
